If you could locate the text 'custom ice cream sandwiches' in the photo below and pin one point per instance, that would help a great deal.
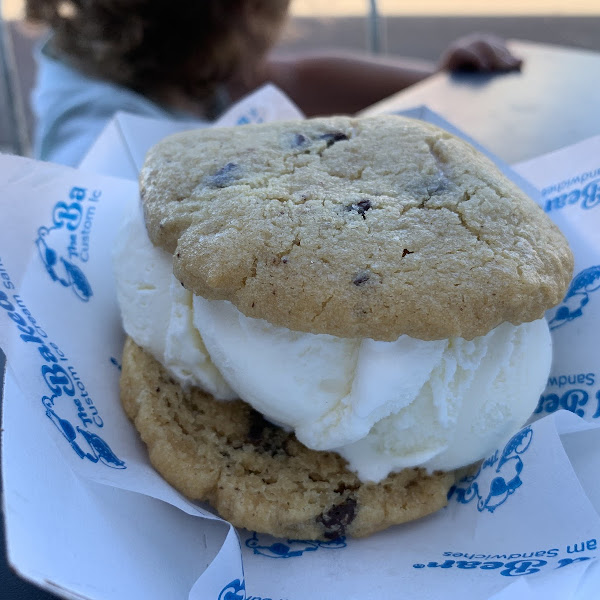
(328, 318)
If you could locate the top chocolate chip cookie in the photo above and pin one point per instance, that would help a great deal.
(372, 227)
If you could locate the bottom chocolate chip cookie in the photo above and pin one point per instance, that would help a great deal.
(256, 474)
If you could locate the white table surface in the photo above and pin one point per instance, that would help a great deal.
(552, 102)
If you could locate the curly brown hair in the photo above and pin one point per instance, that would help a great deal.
(153, 45)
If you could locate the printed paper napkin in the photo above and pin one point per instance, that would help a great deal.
(75, 474)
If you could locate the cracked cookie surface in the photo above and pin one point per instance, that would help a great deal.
(372, 227)
(257, 475)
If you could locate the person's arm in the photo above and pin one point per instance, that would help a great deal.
(345, 82)
(342, 82)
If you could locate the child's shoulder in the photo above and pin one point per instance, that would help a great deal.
(72, 108)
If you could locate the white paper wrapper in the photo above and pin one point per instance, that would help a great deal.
(569, 181)
(86, 514)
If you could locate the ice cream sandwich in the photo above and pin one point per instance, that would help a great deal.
(328, 319)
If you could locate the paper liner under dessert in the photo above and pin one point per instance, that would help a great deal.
(86, 515)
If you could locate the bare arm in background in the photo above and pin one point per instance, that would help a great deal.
(345, 82)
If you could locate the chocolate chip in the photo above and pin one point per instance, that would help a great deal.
(264, 436)
(438, 184)
(299, 140)
(360, 207)
(337, 518)
(345, 487)
(333, 137)
(224, 176)
(405, 252)
(257, 425)
(280, 260)
(361, 278)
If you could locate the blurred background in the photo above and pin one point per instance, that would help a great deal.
(420, 29)
(423, 29)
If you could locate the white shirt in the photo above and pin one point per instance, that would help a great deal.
(72, 109)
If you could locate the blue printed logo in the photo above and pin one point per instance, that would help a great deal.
(67, 241)
(497, 478)
(252, 116)
(512, 564)
(578, 296)
(587, 197)
(289, 548)
(98, 449)
(235, 590)
(513, 568)
(573, 400)
(61, 269)
(65, 390)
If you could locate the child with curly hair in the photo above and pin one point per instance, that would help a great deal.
(186, 59)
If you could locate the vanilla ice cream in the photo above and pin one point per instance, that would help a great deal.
(383, 406)
(157, 311)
